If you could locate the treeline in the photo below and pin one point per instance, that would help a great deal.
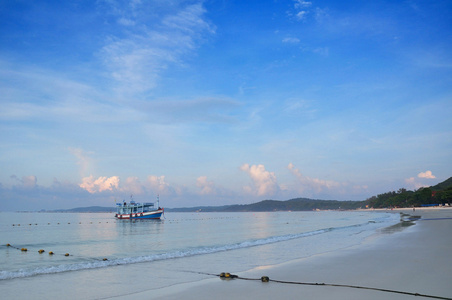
(439, 194)
(298, 204)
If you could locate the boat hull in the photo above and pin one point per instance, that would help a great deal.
(156, 214)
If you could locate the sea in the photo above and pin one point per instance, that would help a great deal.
(96, 256)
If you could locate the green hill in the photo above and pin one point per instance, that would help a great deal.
(298, 204)
(90, 209)
(445, 185)
(439, 194)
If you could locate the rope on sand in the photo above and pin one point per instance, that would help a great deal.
(267, 279)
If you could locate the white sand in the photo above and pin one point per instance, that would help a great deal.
(415, 259)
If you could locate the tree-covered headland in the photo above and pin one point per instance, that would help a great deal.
(440, 194)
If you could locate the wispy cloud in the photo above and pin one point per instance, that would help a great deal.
(308, 186)
(136, 60)
(307, 183)
(27, 182)
(83, 160)
(209, 110)
(300, 9)
(291, 40)
(51, 96)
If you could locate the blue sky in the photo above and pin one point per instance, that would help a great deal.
(221, 102)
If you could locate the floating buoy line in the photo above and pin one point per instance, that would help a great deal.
(122, 221)
(41, 251)
(58, 223)
(229, 276)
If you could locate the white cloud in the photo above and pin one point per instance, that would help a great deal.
(158, 184)
(415, 183)
(133, 186)
(100, 184)
(412, 183)
(206, 187)
(154, 185)
(29, 181)
(427, 174)
(264, 182)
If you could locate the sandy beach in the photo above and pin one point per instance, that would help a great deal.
(413, 259)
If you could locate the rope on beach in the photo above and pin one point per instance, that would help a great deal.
(228, 276)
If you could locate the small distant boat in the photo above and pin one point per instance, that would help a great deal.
(134, 210)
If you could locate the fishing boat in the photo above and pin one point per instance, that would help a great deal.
(134, 210)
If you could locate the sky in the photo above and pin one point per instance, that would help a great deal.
(221, 102)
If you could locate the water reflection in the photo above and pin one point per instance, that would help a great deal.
(406, 220)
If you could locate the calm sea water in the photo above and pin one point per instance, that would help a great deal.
(166, 250)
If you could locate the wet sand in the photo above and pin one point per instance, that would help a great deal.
(412, 259)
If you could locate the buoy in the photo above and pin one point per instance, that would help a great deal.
(24, 249)
(265, 279)
(50, 252)
(41, 251)
(67, 254)
(228, 276)
(104, 259)
(8, 245)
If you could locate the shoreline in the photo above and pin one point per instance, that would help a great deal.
(409, 209)
(413, 260)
